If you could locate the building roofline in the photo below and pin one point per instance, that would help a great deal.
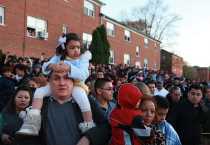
(97, 2)
(171, 53)
(129, 28)
(203, 68)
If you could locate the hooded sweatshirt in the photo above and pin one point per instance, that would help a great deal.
(122, 117)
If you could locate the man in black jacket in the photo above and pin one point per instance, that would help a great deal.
(7, 86)
(61, 115)
(188, 116)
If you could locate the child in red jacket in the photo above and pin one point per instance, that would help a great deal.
(126, 122)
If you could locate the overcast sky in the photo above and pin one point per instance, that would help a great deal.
(193, 40)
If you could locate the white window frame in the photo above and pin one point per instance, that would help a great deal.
(86, 39)
(2, 15)
(155, 45)
(89, 8)
(127, 59)
(138, 64)
(146, 42)
(138, 51)
(155, 66)
(146, 62)
(67, 1)
(111, 58)
(127, 35)
(65, 29)
(38, 28)
(110, 29)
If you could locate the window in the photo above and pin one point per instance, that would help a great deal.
(37, 28)
(138, 64)
(146, 42)
(110, 29)
(163, 57)
(89, 9)
(65, 29)
(1, 16)
(155, 66)
(137, 51)
(127, 35)
(111, 58)
(127, 59)
(87, 39)
(66, 1)
(145, 63)
(155, 45)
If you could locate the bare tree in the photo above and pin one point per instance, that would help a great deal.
(155, 20)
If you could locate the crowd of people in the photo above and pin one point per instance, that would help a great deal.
(66, 100)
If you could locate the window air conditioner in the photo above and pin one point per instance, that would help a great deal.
(40, 35)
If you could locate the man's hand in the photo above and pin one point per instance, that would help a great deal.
(84, 141)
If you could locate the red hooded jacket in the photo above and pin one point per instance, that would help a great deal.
(128, 98)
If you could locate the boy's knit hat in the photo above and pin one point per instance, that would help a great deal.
(129, 95)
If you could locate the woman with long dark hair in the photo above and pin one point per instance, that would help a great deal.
(11, 120)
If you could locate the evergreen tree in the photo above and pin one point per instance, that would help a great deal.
(100, 46)
(106, 44)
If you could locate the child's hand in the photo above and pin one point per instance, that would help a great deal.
(60, 67)
(50, 66)
(64, 66)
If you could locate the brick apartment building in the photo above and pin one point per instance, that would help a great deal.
(31, 28)
(171, 63)
(203, 74)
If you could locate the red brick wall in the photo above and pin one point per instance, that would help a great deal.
(177, 65)
(120, 47)
(203, 74)
(11, 34)
(88, 24)
(57, 13)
